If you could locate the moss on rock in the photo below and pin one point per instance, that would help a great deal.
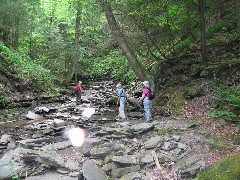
(169, 130)
(178, 104)
(162, 131)
(225, 169)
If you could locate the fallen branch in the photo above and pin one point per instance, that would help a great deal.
(154, 155)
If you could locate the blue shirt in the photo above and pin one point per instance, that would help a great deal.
(121, 94)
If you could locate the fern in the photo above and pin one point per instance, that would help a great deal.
(226, 103)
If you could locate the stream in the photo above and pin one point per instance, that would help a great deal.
(38, 142)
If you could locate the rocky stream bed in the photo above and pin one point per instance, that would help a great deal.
(34, 144)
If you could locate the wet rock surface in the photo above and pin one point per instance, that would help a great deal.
(111, 149)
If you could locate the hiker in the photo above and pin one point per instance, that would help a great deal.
(121, 101)
(147, 103)
(78, 91)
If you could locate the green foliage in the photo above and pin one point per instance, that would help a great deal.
(15, 176)
(220, 30)
(219, 26)
(222, 138)
(176, 80)
(207, 133)
(222, 25)
(195, 68)
(168, 90)
(161, 101)
(92, 67)
(188, 89)
(4, 101)
(121, 69)
(223, 38)
(216, 146)
(222, 148)
(183, 44)
(211, 141)
(114, 65)
(45, 30)
(237, 138)
(28, 70)
(178, 103)
(225, 114)
(225, 169)
(231, 62)
(226, 103)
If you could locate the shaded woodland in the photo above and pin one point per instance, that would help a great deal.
(188, 50)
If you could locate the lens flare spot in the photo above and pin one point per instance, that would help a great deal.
(76, 136)
(88, 112)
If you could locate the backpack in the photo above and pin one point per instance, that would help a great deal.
(121, 94)
(150, 95)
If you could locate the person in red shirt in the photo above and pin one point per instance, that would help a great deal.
(78, 92)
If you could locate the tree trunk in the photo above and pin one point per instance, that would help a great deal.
(15, 33)
(220, 6)
(52, 17)
(4, 31)
(31, 33)
(140, 72)
(73, 64)
(30, 42)
(202, 31)
(237, 5)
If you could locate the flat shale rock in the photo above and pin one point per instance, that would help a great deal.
(92, 172)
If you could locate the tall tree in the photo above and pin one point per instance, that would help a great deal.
(12, 22)
(52, 17)
(73, 64)
(202, 30)
(237, 5)
(140, 72)
(31, 29)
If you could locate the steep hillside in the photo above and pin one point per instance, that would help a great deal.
(189, 87)
(21, 78)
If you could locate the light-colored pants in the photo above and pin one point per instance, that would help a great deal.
(121, 110)
(147, 108)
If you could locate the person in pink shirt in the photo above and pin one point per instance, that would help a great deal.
(147, 103)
